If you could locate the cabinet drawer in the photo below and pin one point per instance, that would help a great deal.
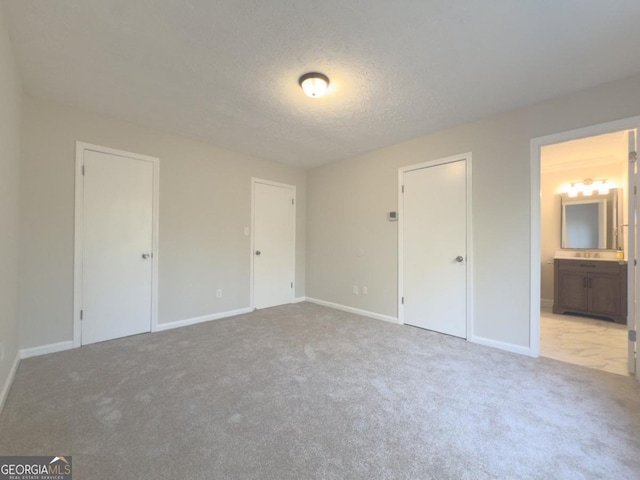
(587, 266)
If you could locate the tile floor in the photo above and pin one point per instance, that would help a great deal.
(584, 341)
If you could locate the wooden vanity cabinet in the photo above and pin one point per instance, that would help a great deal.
(591, 287)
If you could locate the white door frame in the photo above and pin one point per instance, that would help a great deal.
(632, 255)
(255, 180)
(536, 145)
(469, 253)
(81, 147)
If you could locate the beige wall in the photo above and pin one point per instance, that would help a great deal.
(348, 202)
(205, 203)
(10, 111)
(550, 211)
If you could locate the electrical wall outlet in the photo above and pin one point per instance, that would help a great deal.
(219, 293)
(365, 291)
(355, 290)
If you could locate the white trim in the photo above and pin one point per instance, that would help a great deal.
(46, 349)
(399, 308)
(77, 257)
(299, 299)
(535, 244)
(68, 345)
(255, 180)
(467, 157)
(470, 249)
(536, 145)
(9, 381)
(357, 311)
(508, 347)
(161, 327)
(632, 255)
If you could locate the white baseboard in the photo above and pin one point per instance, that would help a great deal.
(546, 303)
(299, 300)
(61, 346)
(357, 311)
(509, 347)
(206, 318)
(7, 384)
(45, 349)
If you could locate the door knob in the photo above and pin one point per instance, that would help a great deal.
(258, 252)
(459, 259)
(145, 256)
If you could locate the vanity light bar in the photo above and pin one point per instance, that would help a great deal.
(587, 187)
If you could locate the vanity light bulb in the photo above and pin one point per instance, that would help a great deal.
(604, 188)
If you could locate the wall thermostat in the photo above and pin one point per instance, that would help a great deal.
(393, 216)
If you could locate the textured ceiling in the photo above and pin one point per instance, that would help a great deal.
(226, 71)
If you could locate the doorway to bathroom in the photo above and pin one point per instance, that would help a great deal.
(584, 309)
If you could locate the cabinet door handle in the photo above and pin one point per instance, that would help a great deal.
(587, 265)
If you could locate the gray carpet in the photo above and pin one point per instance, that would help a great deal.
(305, 392)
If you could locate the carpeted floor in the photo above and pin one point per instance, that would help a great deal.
(306, 392)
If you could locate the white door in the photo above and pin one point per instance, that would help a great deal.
(117, 259)
(434, 250)
(633, 206)
(273, 244)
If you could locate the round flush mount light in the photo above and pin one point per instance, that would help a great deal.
(314, 84)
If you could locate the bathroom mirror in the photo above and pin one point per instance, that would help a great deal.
(591, 222)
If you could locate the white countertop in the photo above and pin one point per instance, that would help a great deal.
(605, 256)
(619, 260)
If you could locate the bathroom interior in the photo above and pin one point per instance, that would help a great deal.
(584, 187)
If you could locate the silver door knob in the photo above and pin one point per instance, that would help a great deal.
(145, 256)
(258, 252)
(459, 259)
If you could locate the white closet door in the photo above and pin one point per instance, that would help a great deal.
(274, 244)
(434, 248)
(116, 246)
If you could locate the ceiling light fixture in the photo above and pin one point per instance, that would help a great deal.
(314, 84)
